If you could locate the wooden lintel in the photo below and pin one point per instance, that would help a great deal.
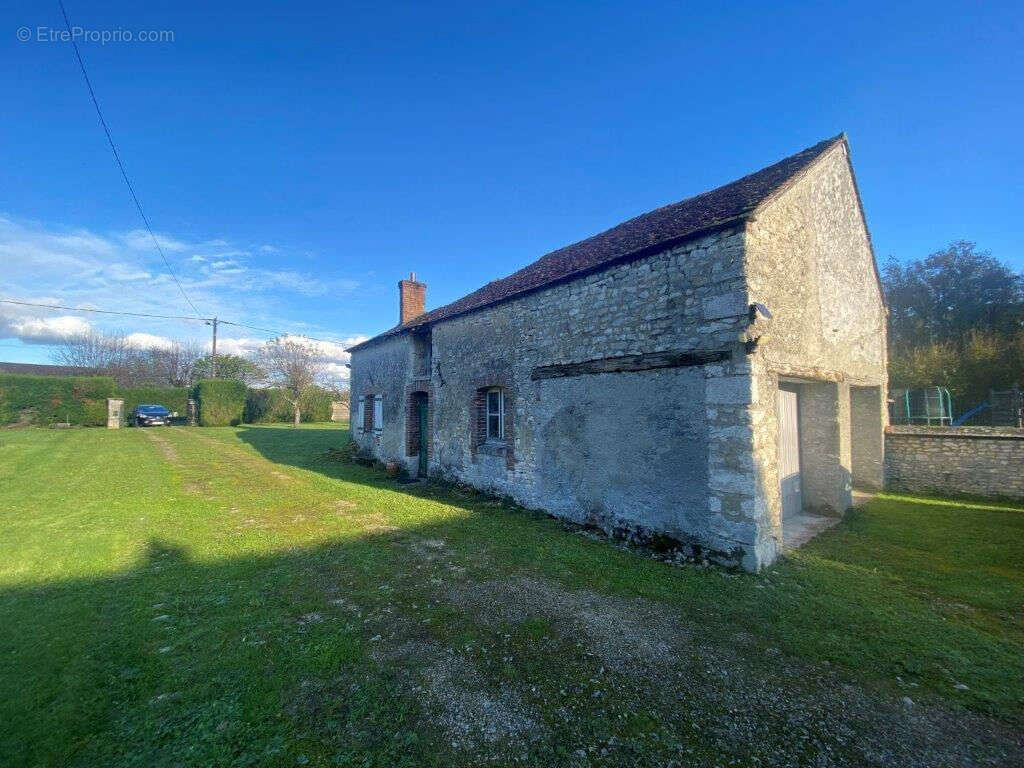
(643, 362)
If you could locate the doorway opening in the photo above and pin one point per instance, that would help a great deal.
(418, 439)
(814, 484)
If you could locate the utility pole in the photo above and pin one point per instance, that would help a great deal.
(213, 322)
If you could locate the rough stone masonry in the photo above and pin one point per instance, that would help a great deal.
(956, 461)
(630, 380)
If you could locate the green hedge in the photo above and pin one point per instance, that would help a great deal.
(80, 400)
(272, 405)
(174, 399)
(221, 402)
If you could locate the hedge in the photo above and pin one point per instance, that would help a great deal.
(271, 405)
(221, 402)
(174, 399)
(44, 400)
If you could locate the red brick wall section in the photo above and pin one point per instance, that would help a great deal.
(478, 420)
(412, 300)
(478, 415)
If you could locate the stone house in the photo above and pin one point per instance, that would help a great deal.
(713, 370)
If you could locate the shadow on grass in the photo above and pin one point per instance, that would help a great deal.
(258, 660)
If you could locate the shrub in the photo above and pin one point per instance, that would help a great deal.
(272, 405)
(80, 400)
(316, 405)
(221, 402)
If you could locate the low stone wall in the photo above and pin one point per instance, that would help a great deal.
(956, 461)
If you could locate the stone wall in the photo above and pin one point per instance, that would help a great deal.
(664, 450)
(956, 461)
(383, 368)
(809, 261)
(688, 451)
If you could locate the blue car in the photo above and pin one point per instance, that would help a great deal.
(151, 416)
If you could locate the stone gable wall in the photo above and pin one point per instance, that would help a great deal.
(809, 261)
(956, 461)
(384, 369)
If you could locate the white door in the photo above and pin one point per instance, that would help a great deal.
(789, 453)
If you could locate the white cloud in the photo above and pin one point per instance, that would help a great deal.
(140, 240)
(149, 341)
(121, 270)
(331, 353)
(41, 330)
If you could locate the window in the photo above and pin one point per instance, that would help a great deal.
(495, 414)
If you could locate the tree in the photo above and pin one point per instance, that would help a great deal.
(230, 367)
(956, 319)
(294, 367)
(172, 365)
(101, 352)
(950, 293)
(131, 365)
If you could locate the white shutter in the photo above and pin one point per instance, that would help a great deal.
(361, 418)
(378, 413)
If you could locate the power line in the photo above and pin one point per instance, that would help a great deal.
(117, 157)
(280, 333)
(165, 317)
(101, 311)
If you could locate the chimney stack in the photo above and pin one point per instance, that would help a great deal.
(412, 299)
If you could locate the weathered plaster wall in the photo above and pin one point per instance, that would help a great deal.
(809, 261)
(867, 443)
(665, 449)
(384, 369)
(956, 461)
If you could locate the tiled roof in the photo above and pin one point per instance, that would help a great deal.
(645, 234)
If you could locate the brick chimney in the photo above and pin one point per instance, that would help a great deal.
(412, 299)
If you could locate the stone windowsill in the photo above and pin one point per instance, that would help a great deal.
(493, 448)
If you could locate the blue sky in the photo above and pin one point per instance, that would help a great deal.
(299, 158)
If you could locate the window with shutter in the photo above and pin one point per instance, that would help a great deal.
(361, 417)
(378, 413)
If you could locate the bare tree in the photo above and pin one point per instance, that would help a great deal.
(292, 366)
(173, 365)
(130, 365)
(101, 352)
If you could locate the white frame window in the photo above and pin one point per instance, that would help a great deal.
(494, 413)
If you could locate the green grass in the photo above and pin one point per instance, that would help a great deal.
(232, 596)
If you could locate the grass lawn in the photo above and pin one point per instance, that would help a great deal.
(233, 596)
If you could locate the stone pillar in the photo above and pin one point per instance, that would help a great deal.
(736, 506)
(867, 437)
(115, 413)
(193, 412)
(825, 447)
